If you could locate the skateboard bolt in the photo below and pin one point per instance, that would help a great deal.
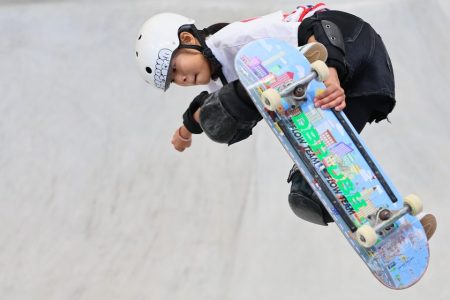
(385, 214)
(299, 91)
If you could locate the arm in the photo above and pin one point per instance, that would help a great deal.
(182, 138)
(334, 95)
(226, 116)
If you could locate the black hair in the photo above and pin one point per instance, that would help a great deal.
(210, 30)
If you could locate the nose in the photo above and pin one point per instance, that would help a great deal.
(180, 79)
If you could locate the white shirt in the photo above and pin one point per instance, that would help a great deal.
(228, 41)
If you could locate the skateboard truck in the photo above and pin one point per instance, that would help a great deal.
(367, 235)
(273, 99)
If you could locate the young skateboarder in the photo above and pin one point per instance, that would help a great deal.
(170, 49)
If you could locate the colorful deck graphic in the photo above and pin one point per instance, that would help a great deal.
(318, 140)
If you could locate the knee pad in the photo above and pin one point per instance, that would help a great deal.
(215, 120)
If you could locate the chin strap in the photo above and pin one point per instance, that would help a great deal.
(216, 66)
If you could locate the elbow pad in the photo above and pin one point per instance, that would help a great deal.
(222, 116)
(216, 121)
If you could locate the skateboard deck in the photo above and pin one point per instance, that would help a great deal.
(336, 163)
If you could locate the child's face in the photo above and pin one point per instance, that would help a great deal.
(190, 67)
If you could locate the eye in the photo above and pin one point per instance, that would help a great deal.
(174, 70)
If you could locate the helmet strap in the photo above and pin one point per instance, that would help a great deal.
(216, 66)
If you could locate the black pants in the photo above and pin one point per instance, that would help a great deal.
(366, 109)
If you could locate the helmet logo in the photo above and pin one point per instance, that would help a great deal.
(162, 67)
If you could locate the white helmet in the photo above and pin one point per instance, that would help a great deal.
(155, 44)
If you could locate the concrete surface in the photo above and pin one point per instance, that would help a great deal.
(95, 203)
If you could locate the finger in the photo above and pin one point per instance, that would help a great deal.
(333, 92)
(334, 103)
(174, 140)
(176, 145)
(329, 95)
(341, 106)
(332, 97)
(183, 145)
(325, 93)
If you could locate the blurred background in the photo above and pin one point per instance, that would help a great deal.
(96, 204)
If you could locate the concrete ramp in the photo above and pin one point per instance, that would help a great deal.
(96, 204)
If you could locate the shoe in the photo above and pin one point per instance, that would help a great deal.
(429, 225)
(314, 51)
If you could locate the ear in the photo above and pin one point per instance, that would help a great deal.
(188, 39)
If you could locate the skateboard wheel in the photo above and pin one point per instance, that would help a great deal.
(415, 203)
(321, 69)
(366, 236)
(271, 99)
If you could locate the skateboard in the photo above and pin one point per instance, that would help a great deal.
(376, 220)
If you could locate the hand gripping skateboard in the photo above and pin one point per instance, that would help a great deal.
(377, 222)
